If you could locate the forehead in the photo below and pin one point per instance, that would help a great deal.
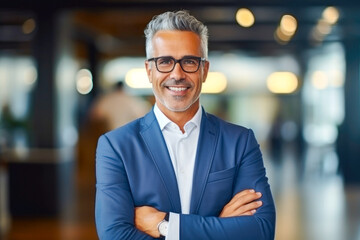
(176, 43)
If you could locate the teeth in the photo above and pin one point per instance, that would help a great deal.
(177, 89)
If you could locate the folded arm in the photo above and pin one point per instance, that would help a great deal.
(244, 216)
(244, 203)
(114, 206)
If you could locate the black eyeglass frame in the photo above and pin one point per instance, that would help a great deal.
(199, 59)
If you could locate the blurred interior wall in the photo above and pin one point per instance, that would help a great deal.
(45, 169)
(348, 143)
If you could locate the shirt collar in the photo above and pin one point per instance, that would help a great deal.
(163, 120)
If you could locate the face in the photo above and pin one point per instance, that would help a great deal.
(176, 91)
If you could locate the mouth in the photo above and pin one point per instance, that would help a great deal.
(177, 90)
(177, 87)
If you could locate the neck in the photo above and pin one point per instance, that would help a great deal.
(180, 118)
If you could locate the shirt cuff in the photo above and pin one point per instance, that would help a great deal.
(174, 227)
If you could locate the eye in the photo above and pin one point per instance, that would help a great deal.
(165, 61)
(189, 61)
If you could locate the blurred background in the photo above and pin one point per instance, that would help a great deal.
(72, 70)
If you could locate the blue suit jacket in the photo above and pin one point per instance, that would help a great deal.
(133, 168)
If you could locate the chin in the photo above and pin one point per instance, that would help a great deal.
(177, 109)
(175, 106)
(180, 108)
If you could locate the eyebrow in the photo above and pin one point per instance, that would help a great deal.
(186, 56)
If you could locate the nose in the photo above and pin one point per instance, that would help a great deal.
(177, 73)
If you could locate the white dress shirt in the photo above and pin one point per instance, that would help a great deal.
(182, 149)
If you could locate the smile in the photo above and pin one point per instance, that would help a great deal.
(177, 89)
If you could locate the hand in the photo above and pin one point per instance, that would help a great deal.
(147, 218)
(243, 203)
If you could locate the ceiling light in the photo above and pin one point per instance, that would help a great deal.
(29, 26)
(137, 78)
(331, 15)
(280, 37)
(216, 82)
(288, 25)
(84, 82)
(282, 82)
(245, 17)
(286, 29)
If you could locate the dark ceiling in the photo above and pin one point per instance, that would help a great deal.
(115, 27)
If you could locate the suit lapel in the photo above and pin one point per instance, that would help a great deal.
(204, 157)
(156, 145)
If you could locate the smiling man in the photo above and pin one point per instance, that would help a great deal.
(179, 172)
(177, 76)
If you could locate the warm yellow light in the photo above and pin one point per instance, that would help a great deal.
(280, 37)
(84, 82)
(331, 15)
(137, 78)
(286, 30)
(28, 26)
(288, 25)
(216, 82)
(337, 79)
(319, 80)
(323, 27)
(244, 17)
(282, 82)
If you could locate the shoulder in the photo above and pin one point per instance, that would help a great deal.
(233, 135)
(225, 126)
(230, 132)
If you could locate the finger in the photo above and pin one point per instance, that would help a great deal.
(244, 199)
(249, 213)
(244, 192)
(248, 208)
(241, 194)
(240, 199)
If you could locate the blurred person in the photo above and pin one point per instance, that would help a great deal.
(180, 172)
(117, 108)
(107, 112)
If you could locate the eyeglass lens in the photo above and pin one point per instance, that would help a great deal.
(167, 64)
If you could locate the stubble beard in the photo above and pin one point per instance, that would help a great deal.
(177, 98)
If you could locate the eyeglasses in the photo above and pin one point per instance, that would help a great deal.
(189, 64)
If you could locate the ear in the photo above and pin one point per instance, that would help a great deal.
(205, 70)
(148, 70)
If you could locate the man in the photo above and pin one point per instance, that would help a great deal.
(179, 172)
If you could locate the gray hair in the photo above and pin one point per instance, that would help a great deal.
(180, 20)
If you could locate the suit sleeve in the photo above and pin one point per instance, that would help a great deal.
(114, 207)
(251, 174)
